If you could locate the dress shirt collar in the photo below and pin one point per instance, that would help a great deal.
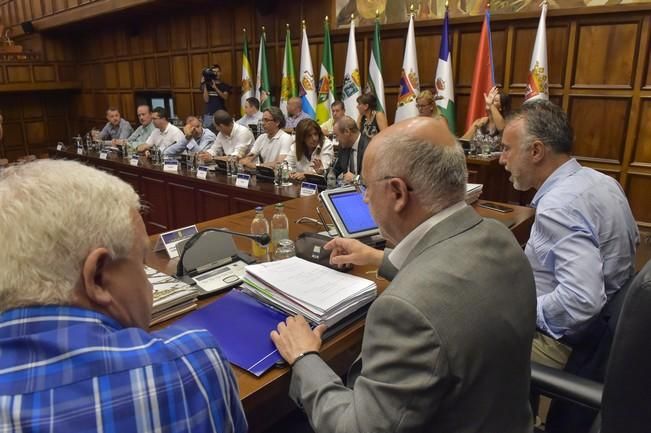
(400, 253)
(566, 170)
(277, 136)
(167, 129)
(356, 145)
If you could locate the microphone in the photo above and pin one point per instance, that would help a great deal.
(263, 239)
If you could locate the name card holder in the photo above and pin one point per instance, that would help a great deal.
(167, 241)
(308, 188)
(80, 151)
(202, 172)
(103, 154)
(60, 146)
(243, 180)
(135, 160)
(171, 166)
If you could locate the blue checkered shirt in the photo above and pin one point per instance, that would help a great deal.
(65, 369)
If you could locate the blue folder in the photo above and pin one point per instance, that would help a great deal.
(241, 325)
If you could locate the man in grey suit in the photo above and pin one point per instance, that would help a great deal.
(446, 346)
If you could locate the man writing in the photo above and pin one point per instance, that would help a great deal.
(75, 305)
(446, 346)
(583, 241)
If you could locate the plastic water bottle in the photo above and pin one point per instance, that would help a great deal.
(259, 226)
(285, 173)
(260, 130)
(331, 179)
(279, 226)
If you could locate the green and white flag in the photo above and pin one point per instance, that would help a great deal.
(288, 83)
(352, 88)
(262, 85)
(247, 76)
(443, 80)
(375, 83)
(326, 89)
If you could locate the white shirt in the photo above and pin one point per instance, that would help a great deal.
(236, 144)
(352, 162)
(400, 253)
(303, 165)
(171, 135)
(270, 149)
(250, 120)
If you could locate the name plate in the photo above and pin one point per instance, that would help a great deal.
(202, 172)
(80, 151)
(243, 180)
(60, 146)
(308, 188)
(135, 159)
(168, 241)
(171, 165)
(103, 154)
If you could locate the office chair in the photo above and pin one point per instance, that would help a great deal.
(624, 399)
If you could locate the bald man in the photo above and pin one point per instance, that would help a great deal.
(446, 346)
(295, 113)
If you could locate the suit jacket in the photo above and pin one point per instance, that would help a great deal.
(446, 347)
(343, 158)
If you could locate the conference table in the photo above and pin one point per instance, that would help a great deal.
(265, 399)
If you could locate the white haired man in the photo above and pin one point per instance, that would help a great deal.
(75, 304)
(452, 331)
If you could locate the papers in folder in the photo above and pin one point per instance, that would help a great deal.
(473, 191)
(296, 286)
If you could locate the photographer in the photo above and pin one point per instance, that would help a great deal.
(215, 93)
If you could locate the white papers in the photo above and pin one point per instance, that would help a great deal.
(297, 286)
(171, 296)
(473, 191)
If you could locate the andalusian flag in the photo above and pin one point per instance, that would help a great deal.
(409, 82)
(307, 86)
(443, 81)
(247, 74)
(288, 83)
(375, 83)
(262, 85)
(352, 88)
(537, 85)
(326, 88)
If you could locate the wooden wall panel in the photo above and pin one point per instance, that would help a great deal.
(428, 45)
(642, 153)
(138, 74)
(595, 142)
(221, 26)
(18, 74)
(124, 75)
(45, 73)
(150, 74)
(111, 76)
(35, 132)
(180, 74)
(183, 105)
(606, 55)
(164, 74)
(524, 39)
(638, 196)
(179, 30)
(199, 34)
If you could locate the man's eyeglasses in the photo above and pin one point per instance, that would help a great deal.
(267, 120)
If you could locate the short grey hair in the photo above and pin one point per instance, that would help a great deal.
(546, 122)
(53, 214)
(277, 115)
(436, 172)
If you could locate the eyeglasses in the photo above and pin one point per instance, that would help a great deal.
(362, 186)
(424, 105)
(267, 120)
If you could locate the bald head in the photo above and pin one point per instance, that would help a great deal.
(294, 105)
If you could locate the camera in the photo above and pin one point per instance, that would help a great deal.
(209, 74)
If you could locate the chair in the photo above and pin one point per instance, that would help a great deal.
(624, 399)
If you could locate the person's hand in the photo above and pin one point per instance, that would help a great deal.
(317, 165)
(294, 336)
(352, 252)
(143, 147)
(204, 156)
(297, 175)
(203, 79)
(349, 177)
(490, 98)
(188, 130)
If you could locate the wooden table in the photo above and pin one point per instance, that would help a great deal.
(265, 399)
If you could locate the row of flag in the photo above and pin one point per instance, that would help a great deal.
(318, 96)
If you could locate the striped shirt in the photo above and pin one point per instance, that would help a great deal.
(71, 369)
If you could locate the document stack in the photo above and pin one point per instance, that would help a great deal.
(296, 286)
(473, 191)
(171, 296)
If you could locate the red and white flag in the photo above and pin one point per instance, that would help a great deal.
(537, 83)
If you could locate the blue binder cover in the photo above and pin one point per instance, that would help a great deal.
(241, 325)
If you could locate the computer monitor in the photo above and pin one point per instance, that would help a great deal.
(350, 215)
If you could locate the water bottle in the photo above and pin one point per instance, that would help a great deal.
(260, 130)
(229, 167)
(234, 167)
(279, 226)
(278, 175)
(285, 173)
(331, 179)
(259, 226)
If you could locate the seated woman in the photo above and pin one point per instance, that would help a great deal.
(489, 128)
(311, 151)
(370, 121)
(425, 102)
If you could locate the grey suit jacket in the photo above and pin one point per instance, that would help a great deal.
(446, 347)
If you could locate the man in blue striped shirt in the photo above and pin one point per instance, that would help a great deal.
(75, 303)
(583, 241)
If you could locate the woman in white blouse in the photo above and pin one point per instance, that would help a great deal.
(311, 151)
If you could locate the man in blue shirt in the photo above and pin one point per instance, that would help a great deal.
(75, 304)
(116, 127)
(197, 138)
(583, 241)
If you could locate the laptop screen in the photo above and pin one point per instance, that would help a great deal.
(353, 212)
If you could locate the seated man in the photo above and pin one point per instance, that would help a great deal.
(165, 134)
(233, 139)
(116, 127)
(352, 145)
(295, 113)
(74, 312)
(446, 346)
(274, 145)
(338, 111)
(252, 113)
(196, 138)
(142, 133)
(582, 243)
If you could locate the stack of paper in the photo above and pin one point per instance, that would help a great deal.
(296, 286)
(473, 191)
(171, 296)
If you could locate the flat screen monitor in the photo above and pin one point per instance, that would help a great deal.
(350, 215)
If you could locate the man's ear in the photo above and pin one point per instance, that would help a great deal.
(94, 276)
(398, 188)
(538, 151)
